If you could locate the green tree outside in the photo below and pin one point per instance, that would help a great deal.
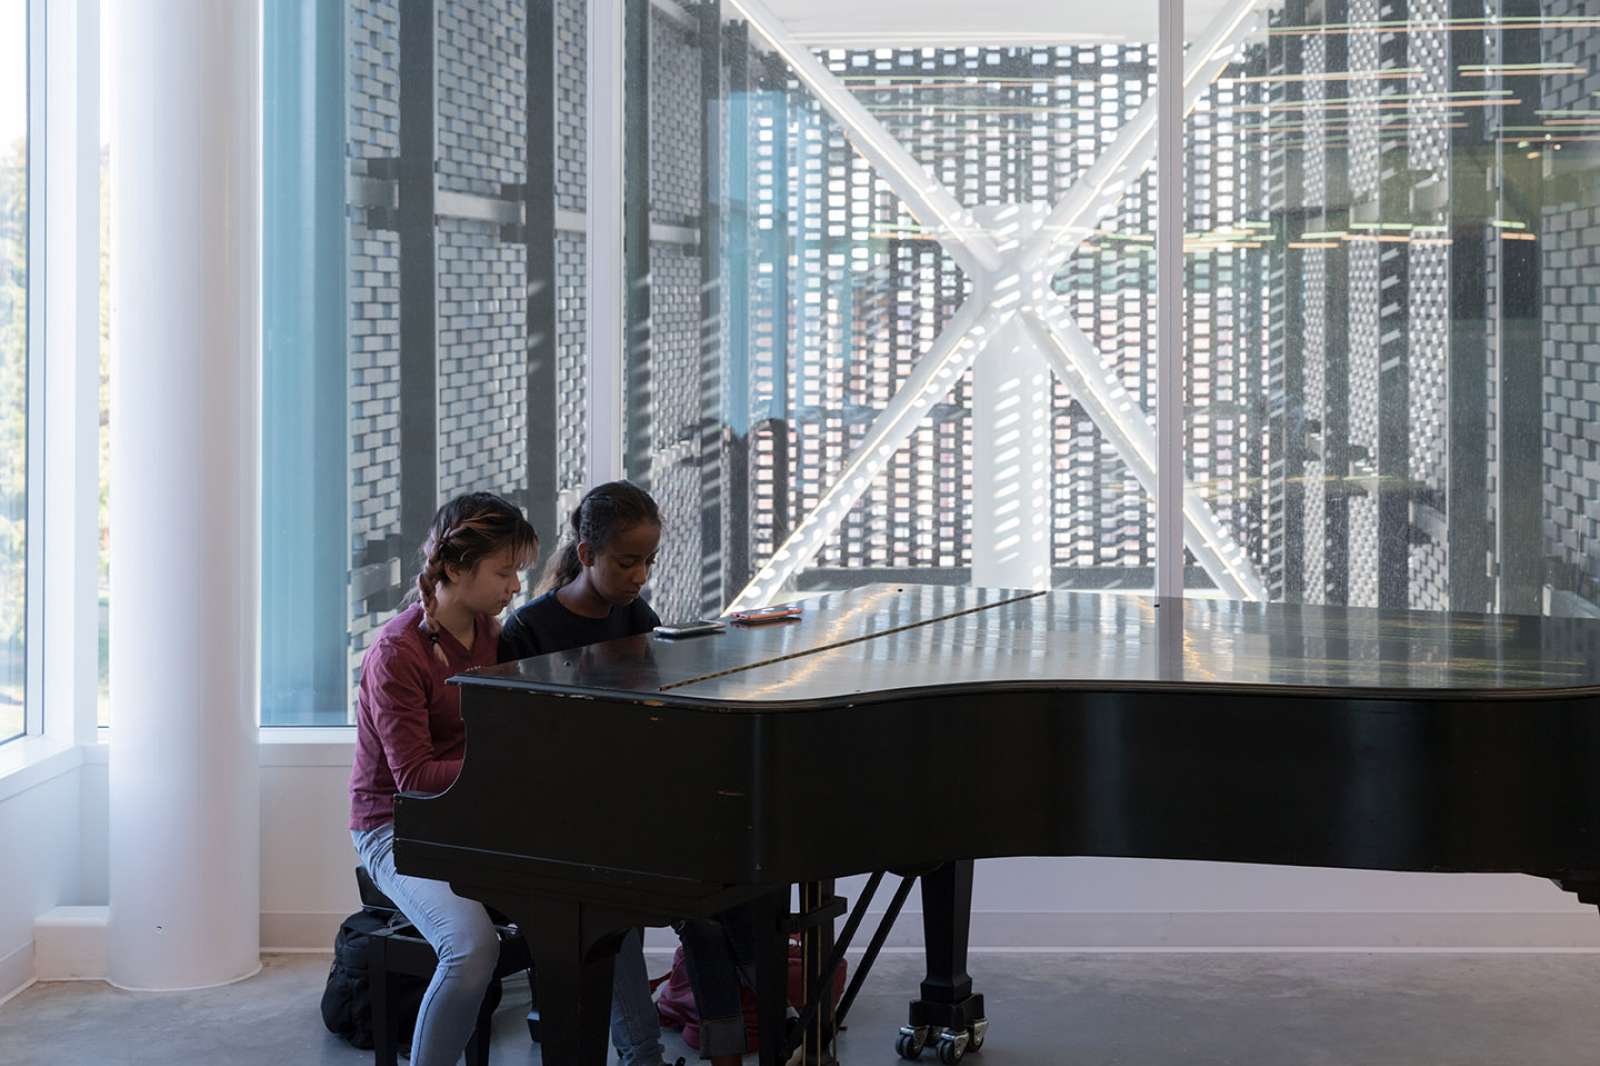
(13, 433)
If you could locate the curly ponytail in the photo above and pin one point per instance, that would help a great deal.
(605, 511)
(465, 531)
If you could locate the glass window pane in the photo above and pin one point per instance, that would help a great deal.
(889, 387)
(423, 307)
(1393, 346)
(14, 322)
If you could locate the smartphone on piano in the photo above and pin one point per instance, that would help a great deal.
(780, 612)
(689, 629)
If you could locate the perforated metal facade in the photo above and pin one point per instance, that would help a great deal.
(483, 361)
(478, 387)
(1300, 431)
(372, 287)
(1570, 228)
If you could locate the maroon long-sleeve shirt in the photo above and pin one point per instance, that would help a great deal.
(409, 734)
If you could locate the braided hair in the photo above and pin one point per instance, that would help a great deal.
(464, 532)
(605, 511)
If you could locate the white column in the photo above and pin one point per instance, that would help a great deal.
(1011, 483)
(185, 278)
(1011, 388)
(605, 287)
(1170, 473)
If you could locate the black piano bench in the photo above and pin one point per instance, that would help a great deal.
(401, 949)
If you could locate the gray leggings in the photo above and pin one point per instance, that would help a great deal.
(462, 936)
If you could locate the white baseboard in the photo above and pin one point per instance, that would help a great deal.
(16, 972)
(293, 932)
(1163, 931)
(69, 944)
(1271, 930)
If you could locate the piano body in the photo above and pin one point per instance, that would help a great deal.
(917, 728)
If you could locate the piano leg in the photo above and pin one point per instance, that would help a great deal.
(574, 949)
(1585, 885)
(948, 1016)
(383, 1035)
(816, 944)
(771, 945)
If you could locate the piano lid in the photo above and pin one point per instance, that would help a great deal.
(897, 638)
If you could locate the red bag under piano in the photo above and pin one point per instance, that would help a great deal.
(676, 1008)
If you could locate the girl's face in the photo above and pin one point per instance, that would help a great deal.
(489, 586)
(621, 569)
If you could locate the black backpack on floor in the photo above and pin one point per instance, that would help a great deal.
(347, 999)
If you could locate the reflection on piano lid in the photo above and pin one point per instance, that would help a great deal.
(894, 639)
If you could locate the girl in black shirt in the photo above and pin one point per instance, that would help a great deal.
(590, 591)
(590, 594)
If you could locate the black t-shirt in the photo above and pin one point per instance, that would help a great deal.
(546, 626)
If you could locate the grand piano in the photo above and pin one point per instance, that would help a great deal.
(914, 729)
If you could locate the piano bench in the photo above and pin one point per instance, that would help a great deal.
(400, 949)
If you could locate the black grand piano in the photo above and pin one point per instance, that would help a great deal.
(913, 729)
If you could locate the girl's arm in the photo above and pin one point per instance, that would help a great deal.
(400, 718)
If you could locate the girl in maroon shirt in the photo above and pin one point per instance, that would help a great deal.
(409, 735)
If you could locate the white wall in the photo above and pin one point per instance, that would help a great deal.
(94, 845)
(1144, 904)
(40, 864)
(307, 863)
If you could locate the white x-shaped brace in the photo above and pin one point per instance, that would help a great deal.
(1011, 277)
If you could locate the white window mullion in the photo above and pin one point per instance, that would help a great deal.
(70, 370)
(1169, 300)
(606, 291)
(37, 475)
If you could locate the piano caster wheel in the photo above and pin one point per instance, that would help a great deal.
(952, 1046)
(911, 1041)
(975, 1035)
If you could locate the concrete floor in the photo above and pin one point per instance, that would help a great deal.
(1146, 1009)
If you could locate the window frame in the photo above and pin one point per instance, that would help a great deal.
(62, 352)
(33, 717)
